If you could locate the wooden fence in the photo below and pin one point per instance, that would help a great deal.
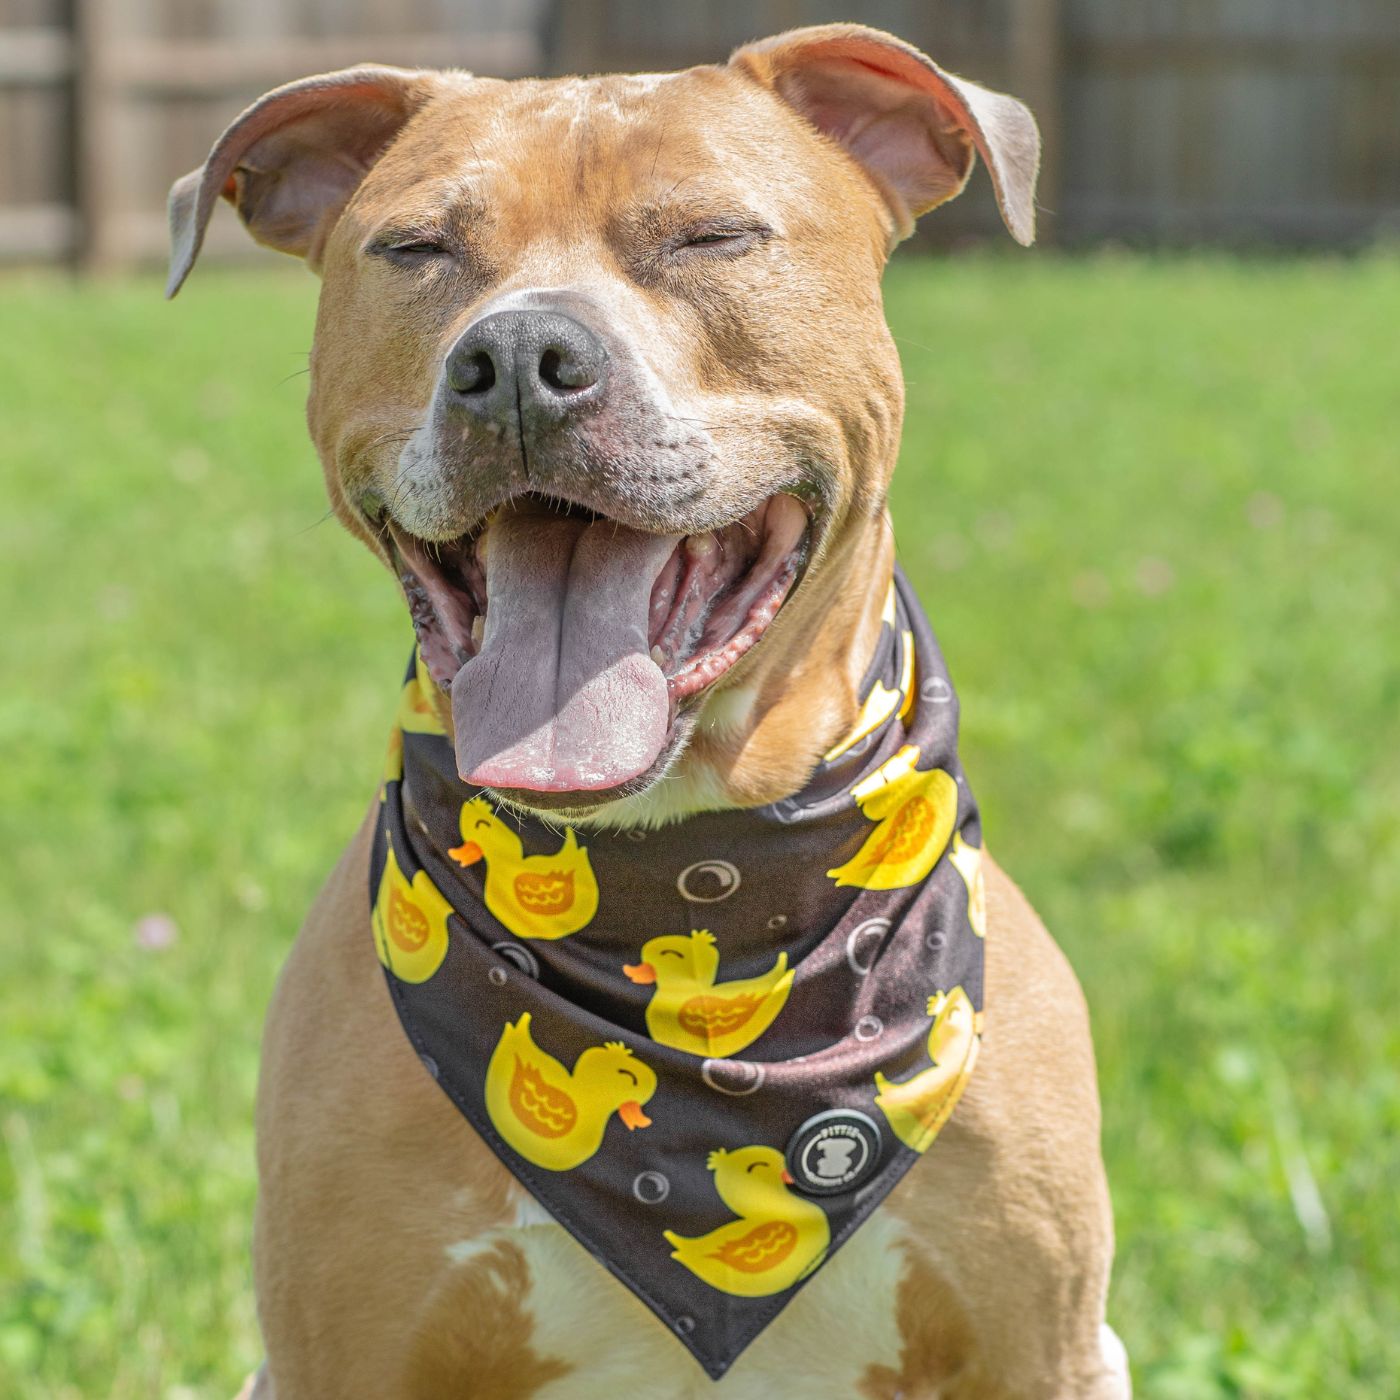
(1164, 119)
(1230, 119)
(104, 102)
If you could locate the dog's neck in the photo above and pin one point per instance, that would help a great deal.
(759, 739)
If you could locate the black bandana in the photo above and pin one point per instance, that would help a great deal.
(709, 1050)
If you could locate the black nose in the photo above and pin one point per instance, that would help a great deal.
(540, 363)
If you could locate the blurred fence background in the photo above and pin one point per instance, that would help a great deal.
(1166, 120)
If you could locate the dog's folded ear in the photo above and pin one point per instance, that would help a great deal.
(291, 161)
(915, 129)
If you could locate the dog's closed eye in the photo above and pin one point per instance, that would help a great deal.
(407, 249)
(723, 237)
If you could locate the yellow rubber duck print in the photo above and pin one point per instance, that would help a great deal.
(967, 860)
(556, 1117)
(533, 896)
(919, 1107)
(690, 1011)
(410, 923)
(880, 703)
(778, 1239)
(393, 761)
(914, 812)
(888, 612)
(414, 714)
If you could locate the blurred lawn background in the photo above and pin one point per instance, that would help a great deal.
(1152, 506)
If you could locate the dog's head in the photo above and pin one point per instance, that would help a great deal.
(601, 371)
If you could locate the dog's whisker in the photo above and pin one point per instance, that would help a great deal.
(315, 524)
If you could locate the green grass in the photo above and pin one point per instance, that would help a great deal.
(1153, 510)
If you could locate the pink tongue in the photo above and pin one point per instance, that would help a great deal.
(564, 695)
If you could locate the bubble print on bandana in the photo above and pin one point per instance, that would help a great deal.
(708, 881)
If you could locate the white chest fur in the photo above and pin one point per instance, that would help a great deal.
(840, 1324)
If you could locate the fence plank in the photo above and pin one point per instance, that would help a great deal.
(38, 233)
(35, 57)
(99, 154)
(1035, 67)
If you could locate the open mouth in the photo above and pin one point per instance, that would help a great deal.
(571, 642)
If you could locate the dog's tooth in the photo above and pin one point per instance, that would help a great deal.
(701, 546)
(658, 656)
(478, 629)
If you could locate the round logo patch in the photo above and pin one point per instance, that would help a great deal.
(834, 1151)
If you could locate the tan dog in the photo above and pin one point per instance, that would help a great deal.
(656, 298)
